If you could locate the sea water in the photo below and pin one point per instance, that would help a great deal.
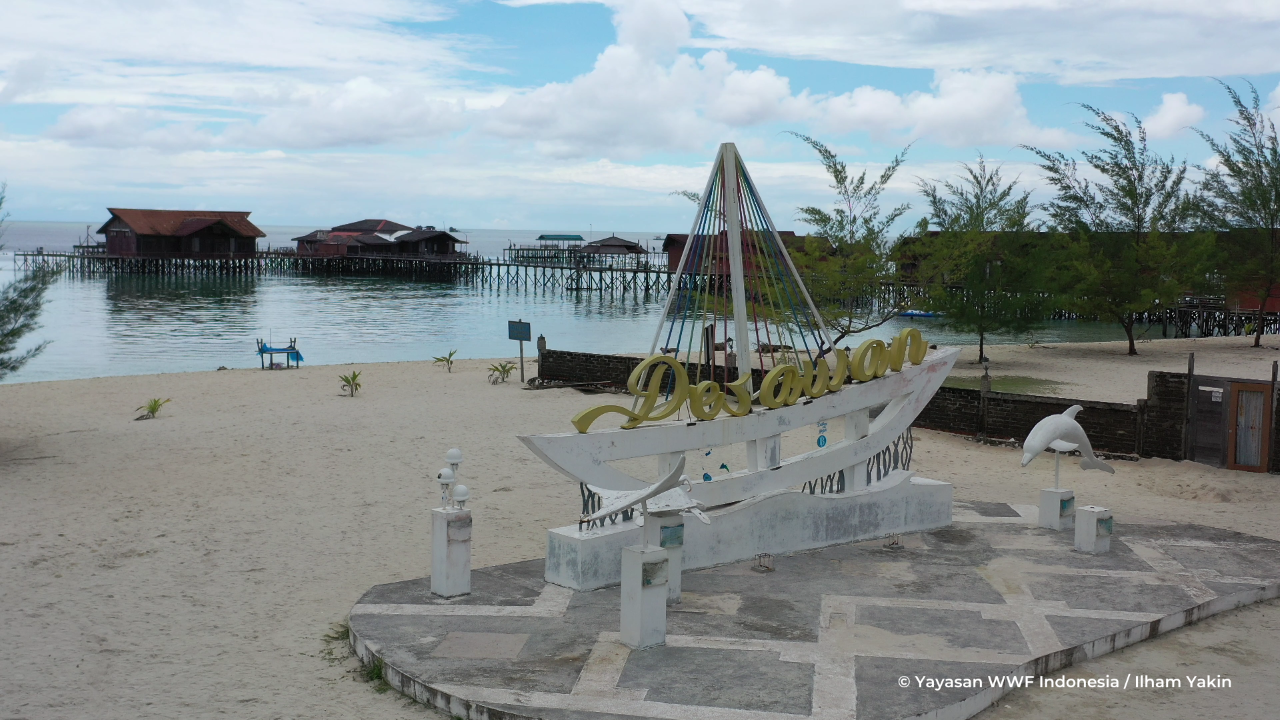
(129, 325)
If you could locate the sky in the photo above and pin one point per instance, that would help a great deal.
(533, 114)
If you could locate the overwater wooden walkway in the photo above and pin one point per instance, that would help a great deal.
(473, 271)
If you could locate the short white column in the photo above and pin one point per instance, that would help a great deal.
(450, 552)
(1057, 509)
(672, 541)
(856, 426)
(644, 595)
(1093, 529)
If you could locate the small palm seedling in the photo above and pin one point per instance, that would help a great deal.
(152, 408)
(350, 383)
(446, 360)
(500, 372)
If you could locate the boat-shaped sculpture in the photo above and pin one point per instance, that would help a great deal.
(742, 356)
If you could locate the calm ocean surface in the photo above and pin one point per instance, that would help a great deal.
(140, 325)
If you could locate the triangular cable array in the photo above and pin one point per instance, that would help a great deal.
(737, 302)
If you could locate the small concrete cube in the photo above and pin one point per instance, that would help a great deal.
(1093, 529)
(1057, 509)
(644, 596)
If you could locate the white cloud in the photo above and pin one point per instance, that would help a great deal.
(27, 75)
(966, 109)
(1071, 40)
(1174, 115)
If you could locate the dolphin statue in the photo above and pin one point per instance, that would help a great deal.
(1063, 434)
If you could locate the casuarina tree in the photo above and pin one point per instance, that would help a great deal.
(20, 305)
(847, 261)
(1132, 249)
(1242, 192)
(984, 266)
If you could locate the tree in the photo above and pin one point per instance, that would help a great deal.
(20, 305)
(1243, 199)
(985, 269)
(1131, 248)
(847, 261)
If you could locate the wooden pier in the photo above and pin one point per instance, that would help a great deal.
(484, 272)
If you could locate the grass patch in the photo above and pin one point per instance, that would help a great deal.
(337, 643)
(1019, 384)
(373, 672)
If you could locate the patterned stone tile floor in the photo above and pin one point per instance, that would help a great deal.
(828, 634)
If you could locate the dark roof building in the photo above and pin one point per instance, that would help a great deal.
(381, 227)
(377, 237)
(673, 245)
(614, 245)
(180, 233)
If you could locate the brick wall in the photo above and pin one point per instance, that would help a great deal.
(1111, 427)
(576, 367)
(952, 410)
(1164, 415)
(1151, 428)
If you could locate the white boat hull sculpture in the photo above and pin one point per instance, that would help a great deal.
(758, 510)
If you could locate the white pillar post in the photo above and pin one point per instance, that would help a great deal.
(450, 552)
(672, 540)
(1057, 509)
(1093, 529)
(857, 425)
(644, 594)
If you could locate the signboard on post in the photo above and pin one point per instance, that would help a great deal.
(519, 330)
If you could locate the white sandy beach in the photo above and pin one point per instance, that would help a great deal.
(189, 566)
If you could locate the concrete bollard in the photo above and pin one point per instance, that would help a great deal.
(672, 541)
(1093, 529)
(1057, 509)
(450, 552)
(645, 571)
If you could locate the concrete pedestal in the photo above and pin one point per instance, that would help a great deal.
(644, 596)
(672, 540)
(1093, 529)
(780, 522)
(1057, 509)
(450, 552)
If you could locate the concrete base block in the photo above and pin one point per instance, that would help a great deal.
(1057, 509)
(645, 571)
(450, 552)
(1093, 529)
(672, 540)
(778, 523)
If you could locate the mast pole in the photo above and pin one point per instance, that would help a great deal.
(737, 279)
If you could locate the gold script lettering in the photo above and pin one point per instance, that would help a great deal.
(783, 385)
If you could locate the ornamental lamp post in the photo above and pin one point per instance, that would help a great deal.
(446, 479)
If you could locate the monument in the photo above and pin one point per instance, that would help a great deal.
(740, 358)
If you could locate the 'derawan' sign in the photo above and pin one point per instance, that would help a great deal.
(783, 385)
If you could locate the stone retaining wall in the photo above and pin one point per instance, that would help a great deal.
(1154, 426)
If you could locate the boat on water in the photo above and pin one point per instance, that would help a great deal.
(919, 314)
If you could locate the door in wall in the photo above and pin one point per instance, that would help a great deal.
(1249, 427)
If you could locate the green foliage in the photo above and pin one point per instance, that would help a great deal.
(1131, 249)
(152, 408)
(20, 305)
(985, 269)
(350, 383)
(1242, 198)
(848, 260)
(500, 372)
(446, 360)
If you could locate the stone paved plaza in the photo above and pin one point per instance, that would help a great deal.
(827, 634)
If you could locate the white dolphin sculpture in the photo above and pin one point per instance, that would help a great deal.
(1064, 434)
